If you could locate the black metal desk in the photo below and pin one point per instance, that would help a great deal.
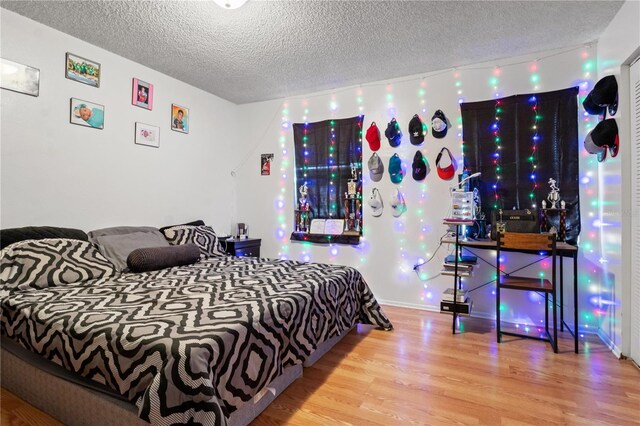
(562, 249)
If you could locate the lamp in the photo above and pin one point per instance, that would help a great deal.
(230, 4)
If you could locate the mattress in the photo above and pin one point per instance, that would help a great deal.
(192, 343)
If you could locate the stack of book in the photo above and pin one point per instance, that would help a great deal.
(462, 304)
(465, 266)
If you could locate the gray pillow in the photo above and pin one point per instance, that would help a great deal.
(154, 258)
(117, 247)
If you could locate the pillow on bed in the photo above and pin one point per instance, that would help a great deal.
(50, 262)
(14, 235)
(154, 258)
(117, 243)
(198, 222)
(202, 236)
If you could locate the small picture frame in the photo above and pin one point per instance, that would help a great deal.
(19, 78)
(82, 70)
(147, 135)
(142, 95)
(179, 118)
(86, 114)
(265, 164)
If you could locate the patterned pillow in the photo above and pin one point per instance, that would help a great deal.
(202, 236)
(51, 262)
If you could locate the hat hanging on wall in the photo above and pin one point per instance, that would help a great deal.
(420, 168)
(416, 130)
(395, 169)
(398, 206)
(439, 125)
(393, 133)
(376, 167)
(447, 172)
(375, 202)
(604, 136)
(603, 96)
(373, 137)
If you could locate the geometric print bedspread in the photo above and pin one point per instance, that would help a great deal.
(191, 344)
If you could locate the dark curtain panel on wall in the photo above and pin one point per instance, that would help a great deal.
(324, 165)
(537, 141)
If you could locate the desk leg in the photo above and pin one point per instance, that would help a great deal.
(455, 282)
(575, 300)
(561, 293)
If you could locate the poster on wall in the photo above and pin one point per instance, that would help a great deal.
(86, 114)
(19, 78)
(265, 164)
(179, 118)
(142, 95)
(147, 135)
(83, 70)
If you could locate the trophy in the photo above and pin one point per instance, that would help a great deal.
(554, 195)
(351, 183)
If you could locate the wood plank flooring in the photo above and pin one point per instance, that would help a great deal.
(421, 374)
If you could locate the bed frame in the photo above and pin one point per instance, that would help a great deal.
(46, 386)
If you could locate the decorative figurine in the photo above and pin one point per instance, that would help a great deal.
(303, 201)
(563, 205)
(554, 195)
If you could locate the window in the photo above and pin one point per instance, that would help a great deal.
(328, 157)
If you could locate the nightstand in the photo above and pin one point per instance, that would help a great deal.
(246, 247)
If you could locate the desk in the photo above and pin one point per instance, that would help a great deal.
(562, 249)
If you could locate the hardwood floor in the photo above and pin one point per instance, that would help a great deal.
(421, 374)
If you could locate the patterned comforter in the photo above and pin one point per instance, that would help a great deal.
(192, 343)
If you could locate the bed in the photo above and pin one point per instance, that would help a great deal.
(199, 343)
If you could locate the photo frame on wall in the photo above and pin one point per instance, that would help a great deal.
(83, 70)
(19, 78)
(179, 118)
(86, 114)
(142, 95)
(147, 135)
(265, 164)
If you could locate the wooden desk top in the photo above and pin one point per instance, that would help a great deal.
(489, 244)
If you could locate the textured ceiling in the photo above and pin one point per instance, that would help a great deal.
(273, 49)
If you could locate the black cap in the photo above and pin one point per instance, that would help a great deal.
(420, 167)
(603, 136)
(591, 106)
(416, 130)
(439, 125)
(604, 94)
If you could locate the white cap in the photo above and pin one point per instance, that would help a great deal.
(375, 202)
(398, 205)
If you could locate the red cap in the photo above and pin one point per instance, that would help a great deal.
(446, 173)
(373, 137)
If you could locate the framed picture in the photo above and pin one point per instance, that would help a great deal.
(265, 164)
(82, 70)
(179, 118)
(86, 114)
(142, 95)
(147, 135)
(19, 78)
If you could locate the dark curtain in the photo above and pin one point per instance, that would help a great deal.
(555, 154)
(320, 163)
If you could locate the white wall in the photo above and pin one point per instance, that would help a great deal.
(57, 173)
(391, 247)
(618, 45)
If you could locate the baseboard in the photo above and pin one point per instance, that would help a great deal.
(607, 341)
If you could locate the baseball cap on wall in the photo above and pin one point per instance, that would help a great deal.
(398, 206)
(447, 172)
(395, 169)
(603, 95)
(375, 202)
(416, 130)
(393, 133)
(603, 136)
(376, 167)
(420, 168)
(439, 125)
(373, 137)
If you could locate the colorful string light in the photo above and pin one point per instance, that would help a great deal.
(497, 154)
(533, 158)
